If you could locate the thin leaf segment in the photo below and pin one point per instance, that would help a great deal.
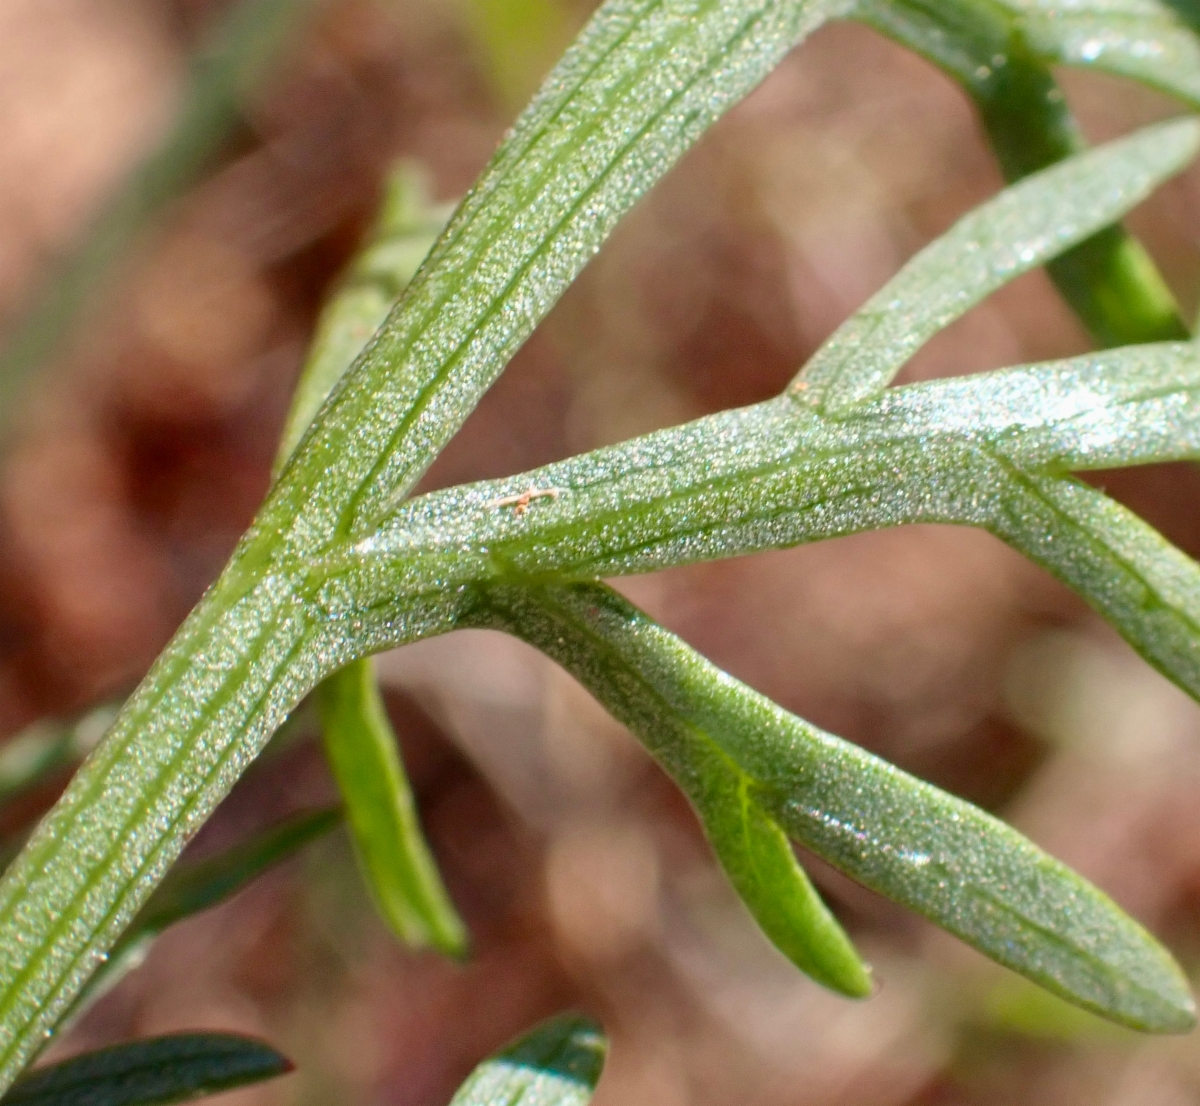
(643, 81)
(337, 567)
(938, 855)
(154, 1071)
(360, 745)
(557, 1063)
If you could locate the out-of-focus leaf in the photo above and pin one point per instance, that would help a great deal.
(558, 1063)
(406, 227)
(34, 755)
(192, 888)
(1023, 227)
(1003, 54)
(1144, 40)
(944, 858)
(241, 53)
(521, 39)
(151, 1072)
(361, 748)
(396, 861)
(311, 586)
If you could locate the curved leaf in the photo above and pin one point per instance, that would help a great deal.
(151, 1072)
(361, 748)
(557, 1063)
(399, 868)
(641, 84)
(944, 858)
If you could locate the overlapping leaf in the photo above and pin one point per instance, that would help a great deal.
(944, 858)
(319, 582)
(643, 81)
(361, 748)
(193, 888)
(557, 1063)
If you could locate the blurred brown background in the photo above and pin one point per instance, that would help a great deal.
(137, 458)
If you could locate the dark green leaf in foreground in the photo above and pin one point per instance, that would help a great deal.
(944, 858)
(151, 1072)
(558, 1063)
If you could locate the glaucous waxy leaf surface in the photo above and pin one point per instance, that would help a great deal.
(360, 745)
(557, 1063)
(335, 568)
(1022, 228)
(944, 858)
(151, 1072)
(643, 81)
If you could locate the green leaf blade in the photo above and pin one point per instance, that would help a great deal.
(1133, 406)
(758, 859)
(400, 869)
(752, 850)
(936, 854)
(1024, 226)
(361, 748)
(151, 1072)
(193, 888)
(557, 1063)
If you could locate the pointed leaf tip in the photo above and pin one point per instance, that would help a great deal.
(151, 1072)
(557, 1063)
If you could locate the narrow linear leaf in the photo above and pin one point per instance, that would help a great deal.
(150, 1072)
(1108, 279)
(361, 747)
(758, 859)
(196, 887)
(754, 853)
(1023, 227)
(405, 229)
(32, 757)
(399, 868)
(241, 53)
(936, 854)
(773, 475)
(641, 84)
(1128, 572)
(557, 1063)
(751, 848)
(192, 888)
(1144, 40)
(1133, 406)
